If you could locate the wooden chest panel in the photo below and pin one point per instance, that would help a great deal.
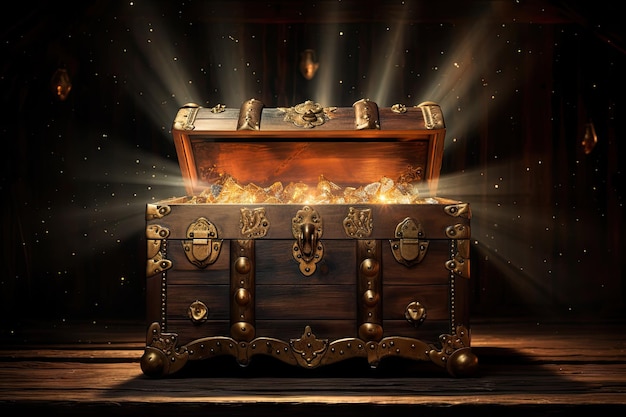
(308, 282)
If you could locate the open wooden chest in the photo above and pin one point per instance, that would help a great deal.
(309, 234)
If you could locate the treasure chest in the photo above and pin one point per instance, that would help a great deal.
(310, 235)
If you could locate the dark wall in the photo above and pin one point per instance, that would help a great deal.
(519, 82)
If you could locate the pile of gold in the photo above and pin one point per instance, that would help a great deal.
(227, 190)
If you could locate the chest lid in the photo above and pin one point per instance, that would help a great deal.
(350, 146)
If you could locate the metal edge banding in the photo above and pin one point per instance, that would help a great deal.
(366, 115)
(250, 115)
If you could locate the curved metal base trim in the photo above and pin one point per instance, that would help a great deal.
(162, 357)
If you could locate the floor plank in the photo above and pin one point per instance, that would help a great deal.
(543, 369)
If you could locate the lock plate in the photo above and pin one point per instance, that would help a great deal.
(408, 249)
(203, 246)
(308, 249)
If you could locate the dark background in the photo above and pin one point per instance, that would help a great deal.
(518, 82)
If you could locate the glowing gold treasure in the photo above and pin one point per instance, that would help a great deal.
(229, 191)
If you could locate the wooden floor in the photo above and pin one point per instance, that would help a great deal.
(526, 368)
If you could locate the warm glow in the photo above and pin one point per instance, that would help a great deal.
(458, 82)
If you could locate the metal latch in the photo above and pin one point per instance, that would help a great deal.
(203, 247)
(408, 249)
(307, 250)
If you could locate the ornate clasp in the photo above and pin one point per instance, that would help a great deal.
(408, 249)
(308, 114)
(307, 230)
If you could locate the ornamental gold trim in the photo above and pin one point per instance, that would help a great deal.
(458, 210)
(308, 249)
(155, 248)
(459, 262)
(410, 247)
(163, 357)
(157, 211)
(431, 112)
(358, 223)
(308, 114)
(366, 115)
(254, 223)
(202, 247)
(186, 117)
(250, 115)
(458, 231)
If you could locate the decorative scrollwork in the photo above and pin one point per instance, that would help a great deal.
(309, 349)
(358, 223)
(308, 114)
(308, 248)
(162, 356)
(253, 222)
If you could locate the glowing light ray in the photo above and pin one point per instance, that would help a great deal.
(527, 285)
(507, 227)
(229, 54)
(324, 82)
(165, 172)
(164, 83)
(105, 221)
(460, 69)
(462, 74)
(96, 226)
(382, 79)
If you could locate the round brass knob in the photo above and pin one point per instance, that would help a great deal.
(242, 296)
(242, 265)
(370, 331)
(371, 298)
(242, 331)
(153, 362)
(462, 362)
(369, 267)
(198, 312)
(415, 313)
